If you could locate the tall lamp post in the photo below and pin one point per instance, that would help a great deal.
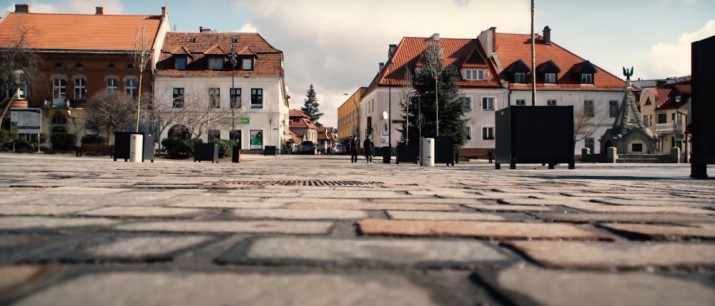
(389, 123)
(232, 94)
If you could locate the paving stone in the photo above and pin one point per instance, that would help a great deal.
(549, 287)
(499, 230)
(46, 222)
(220, 289)
(374, 206)
(300, 214)
(286, 227)
(145, 246)
(508, 207)
(639, 200)
(692, 230)
(623, 217)
(429, 215)
(540, 202)
(400, 252)
(143, 212)
(45, 210)
(639, 209)
(606, 255)
(227, 204)
(14, 276)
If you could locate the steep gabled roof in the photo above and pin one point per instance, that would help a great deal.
(296, 113)
(511, 48)
(78, 32)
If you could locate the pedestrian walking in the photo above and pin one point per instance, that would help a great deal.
(353, 150)
(368, 147)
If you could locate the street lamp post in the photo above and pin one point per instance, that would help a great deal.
(232, 94)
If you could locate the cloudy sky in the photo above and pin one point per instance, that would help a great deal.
(336, 45)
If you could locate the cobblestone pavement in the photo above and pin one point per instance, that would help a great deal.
(314, 230)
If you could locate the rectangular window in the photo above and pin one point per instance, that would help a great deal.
(235, 98)
(488, 103)
(214, 135)
(247, 64)
(131, 89)
(488, 133)
(180, 62)
(468, 132)
(590, 143)
(178, 98)
(256, 139)
(662, 118)
(586, 78)
(637, 147)
(59, 87)
(647, 120)
(520, 102)
(215, 97)
(80, 89)
(520, 78)
(550, 78)
(475, 74)
(612, 108)
(550, 102)
(256, 97)
(467, 101)
(215, 63)
(112, 84)
(588, 110)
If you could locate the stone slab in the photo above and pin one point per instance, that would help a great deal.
(567, 288)
(429, 215)
(220, 289)
(145, 246)
(373, 206)
(284, 227)
(143, 212)
(541, 202)
(639, 209)
(14, 276)
(41, 210)
(639, 200)
(609, 255)
(226, 204)
(396, 252)
(508, 207)
(498, 230)
(623, 217)
(692, 230)
(47, 222)
(300, 214)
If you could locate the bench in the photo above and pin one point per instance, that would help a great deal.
(95, 149)
(465, 154)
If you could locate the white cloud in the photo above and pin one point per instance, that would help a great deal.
(248, 28)
(112, 7)
(667, 59)
(337, 45)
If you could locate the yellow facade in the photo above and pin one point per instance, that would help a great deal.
(349, 115)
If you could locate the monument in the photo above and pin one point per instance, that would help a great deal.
(628, 133)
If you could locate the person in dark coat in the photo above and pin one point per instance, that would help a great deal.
(353, 150)
(367, 146)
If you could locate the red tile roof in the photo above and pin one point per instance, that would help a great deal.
(201, 44)
(511, 48)
(78, 32)
(296, 113)
(457, 51)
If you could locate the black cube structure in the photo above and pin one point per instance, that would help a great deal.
(122, 141)
(703, 107)
(534, 134)
(206, 152)
(407, 153)
(444, 151)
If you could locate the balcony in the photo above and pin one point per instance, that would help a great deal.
(56, 103)
(669, 128)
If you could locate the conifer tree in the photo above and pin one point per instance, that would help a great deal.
(310, 107)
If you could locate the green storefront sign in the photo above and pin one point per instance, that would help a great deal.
(244, 120)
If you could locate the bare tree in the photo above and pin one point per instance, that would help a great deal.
(141, 58)
(406, 94)
(111, 111)
(584, 124)
(434, 65)
(195, 111)
(18, 65)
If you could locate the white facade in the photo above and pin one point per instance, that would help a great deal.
(271, 120)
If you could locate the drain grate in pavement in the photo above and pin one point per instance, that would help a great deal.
(300, 183)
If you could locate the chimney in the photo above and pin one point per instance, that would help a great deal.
(163, 11)
(22, 8)
(100, 11)
(435, 37)
(547, 35)
(487, 39)
(391, 50)
(204, 30)
(382, 65)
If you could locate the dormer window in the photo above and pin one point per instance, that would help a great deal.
(475, 74)
(215, 63)
(192, 40)
(247, 63)
(586, 78)
(677, 99)
(520, 78)
(180, 62)
(549, 78)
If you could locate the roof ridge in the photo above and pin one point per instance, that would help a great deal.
(88, 14)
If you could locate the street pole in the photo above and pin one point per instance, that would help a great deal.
(389, 124)
(232, 93)
(533, 58)
(436, 104)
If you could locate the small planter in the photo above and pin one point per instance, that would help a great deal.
(206, 152)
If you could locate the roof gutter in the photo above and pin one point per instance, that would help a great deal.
(65, 51)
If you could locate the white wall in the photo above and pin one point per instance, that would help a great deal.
(272, 119)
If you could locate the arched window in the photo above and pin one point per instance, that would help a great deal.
(59, 119)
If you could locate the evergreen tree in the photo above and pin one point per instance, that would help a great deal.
(310, 107)
(451, 105)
